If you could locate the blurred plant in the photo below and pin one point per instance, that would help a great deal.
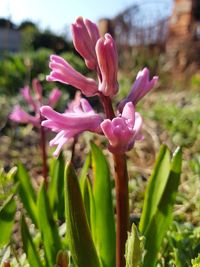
(21, 116)
(19, 69)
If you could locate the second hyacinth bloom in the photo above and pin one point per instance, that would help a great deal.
(124, 130)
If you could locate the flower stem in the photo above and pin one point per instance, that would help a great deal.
(107, 105)
(121, 188)
(44, 154)
(122, 207)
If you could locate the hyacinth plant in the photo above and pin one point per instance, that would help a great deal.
(35, 102)
(121, 127)
(75, 217)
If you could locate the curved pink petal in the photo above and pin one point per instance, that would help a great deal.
(108, 64)
(124, 130)
(85, 35)
(63, 72)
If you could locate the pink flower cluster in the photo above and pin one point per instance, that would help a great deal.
(21, 116)
(81, 117)
(100, 55)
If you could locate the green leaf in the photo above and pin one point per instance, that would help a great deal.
(196, 262)
(155, 187)
(48, 228)
(84, 186)
(105, 223)
(56, 187)
(27, 193)
(7, 216)
(79, 237)
(162, 218)
(84, 171)
(29, 246)
(134, 248)
(86, 198)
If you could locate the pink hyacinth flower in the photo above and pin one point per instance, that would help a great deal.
(35, 102)
(75, 103)
(69, 124)
(19, 115)
(140, 88)
(108, 64)
(29, 99)
(64, 73)
(37, 89)
(123, 131)
(85, 35)
(54, 97)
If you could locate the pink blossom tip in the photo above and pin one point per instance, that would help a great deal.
(85, 35)
(64, 73)
(21, 116)
(71, 123)
(108, 64)
(37, 88)
(29, 99)
(142, 85)
(54, 97)
(124, 130)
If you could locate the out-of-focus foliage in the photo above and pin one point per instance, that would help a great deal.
(19, 69)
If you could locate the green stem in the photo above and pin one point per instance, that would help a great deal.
(44, 154)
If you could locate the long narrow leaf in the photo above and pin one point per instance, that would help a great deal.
(27, 193)
(155, 188)
(163, 216)
(79, 237)
(7, 215)
(29, 246)
(56, 186)
(134, 246)
(105, 223)
(48, 228)
(84, 171)
(84, 186)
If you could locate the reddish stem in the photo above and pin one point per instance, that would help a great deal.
(44, 154)
(121, 187)
(122, 207)
(107, 105)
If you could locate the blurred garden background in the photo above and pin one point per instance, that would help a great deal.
(161, 35)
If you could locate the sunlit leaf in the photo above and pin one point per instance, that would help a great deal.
(7, 216)
(155, 188)
(32, 254)
(56, 186)
(27, 193)
(78, 233)
(163, 215)
(48, 228)
(134, 248)
(105, 223)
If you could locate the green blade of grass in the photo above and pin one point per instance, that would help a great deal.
(162, 218)
(56, 187)
(27, 193)
(155, 188)
(78, 233)
(7, 216)
(48, 228)
(105, 223)
(32, 254)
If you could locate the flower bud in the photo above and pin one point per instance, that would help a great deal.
(108, 64)
(85, 35)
